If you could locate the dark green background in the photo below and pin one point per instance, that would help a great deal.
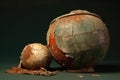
(27, 21)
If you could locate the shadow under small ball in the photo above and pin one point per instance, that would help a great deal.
(78, 40)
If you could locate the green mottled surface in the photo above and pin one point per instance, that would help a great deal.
(85, 40)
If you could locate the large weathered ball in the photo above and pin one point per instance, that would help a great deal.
(78, 40)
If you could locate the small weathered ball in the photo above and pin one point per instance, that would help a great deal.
(35, 56)
(79, 39)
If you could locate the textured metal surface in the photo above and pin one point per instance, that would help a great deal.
(82, 38)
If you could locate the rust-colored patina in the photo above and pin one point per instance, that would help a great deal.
(34, 56)
(41, 71)
(78, 40)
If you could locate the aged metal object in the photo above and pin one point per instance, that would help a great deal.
(35, 56)
(35, 60)
(78, 40)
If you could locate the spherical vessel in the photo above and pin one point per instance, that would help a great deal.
(79, 39)
(35, 56)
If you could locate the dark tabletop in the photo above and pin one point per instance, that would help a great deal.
(102, 72)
